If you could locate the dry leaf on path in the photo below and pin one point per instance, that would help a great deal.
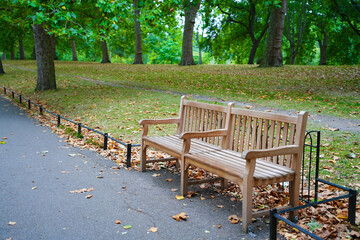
(178, 197)
(89, 196)
(180, 217)
(117, 222)
(127, 227)
(153, 229)
(169, 180)
(12, 223)
(234, 219)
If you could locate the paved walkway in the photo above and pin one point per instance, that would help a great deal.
(38, 171)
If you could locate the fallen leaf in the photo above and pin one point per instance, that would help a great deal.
(234, 219)
(12, 223)
(169, 180)
(115, 167)
(219, 226)
(33, 188)
(90, 189)
(179, 197)
(174, 189)
(220, 206)
(153, 229)
(202, 198)
(180, 217)
(156, 175)
(72, 154)
(89, 196)
(117, 222)
(2, 142)
(127, 227)
(4, 138)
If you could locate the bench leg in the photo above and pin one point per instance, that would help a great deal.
(184, 174)
(294, 198)
(224, 183)
(143, 157)
(247, 191)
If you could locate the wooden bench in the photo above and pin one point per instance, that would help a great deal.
(247, 147)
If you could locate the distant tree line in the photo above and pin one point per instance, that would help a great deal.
(269, 33)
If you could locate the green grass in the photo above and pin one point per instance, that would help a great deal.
(331, 90)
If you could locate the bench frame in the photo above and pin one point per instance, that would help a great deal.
(225, 132)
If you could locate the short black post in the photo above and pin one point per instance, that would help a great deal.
(20, 98)
(58, 120)
(79, 130)
(13, 94)
(29, 104)
(128, 155)
(41, 110)
(5, 90)
(352, 206)
(105, 141)
(273, 224)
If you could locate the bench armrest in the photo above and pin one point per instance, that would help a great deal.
(204, 134)
(283, 150)
(160, 121)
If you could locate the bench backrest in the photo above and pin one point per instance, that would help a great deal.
(197, 116)
(251, 130)
(247, 129)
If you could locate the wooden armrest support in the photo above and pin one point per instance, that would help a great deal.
(283, 150)
(204, 134)
(160, 121)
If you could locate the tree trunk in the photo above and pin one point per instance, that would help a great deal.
(323, 46)
(253, 51)
(21, 48)
(12, 53)
(198, 43)
(292, 53)
(34, 54)
(105, 53)
(53, 46)
(44, 59)
(4, 56)
(73, 49)
(191, 8)
(138, 42)
(273, 55)
(1, 68)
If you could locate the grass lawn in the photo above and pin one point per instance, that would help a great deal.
(330, 90)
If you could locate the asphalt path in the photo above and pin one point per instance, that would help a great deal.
(38, 170)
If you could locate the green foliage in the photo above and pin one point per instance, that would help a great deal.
(313, 225)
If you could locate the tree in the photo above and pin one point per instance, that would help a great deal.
(190, 8)
(295, 19)
(273, 55)
(73, 50)
(1, 67)
(349, 10)
(245, 16)
(21, 48)
(44, 58)
(138, 42)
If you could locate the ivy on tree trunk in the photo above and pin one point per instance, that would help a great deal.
(44, 59)
(190, 8)
(138, 42)
(273, 55)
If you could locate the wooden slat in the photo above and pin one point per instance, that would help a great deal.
(248, 132)
(264, 115)
(237, 125)
(259, 134)
(253, 133)
(265, 136)
(291, 141)
(242, 136)
(205, 105)
(284, 141)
